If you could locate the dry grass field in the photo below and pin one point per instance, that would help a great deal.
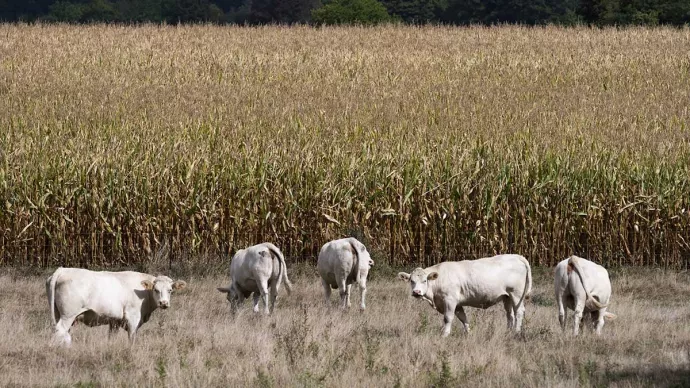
(394, 343)
(429, 142)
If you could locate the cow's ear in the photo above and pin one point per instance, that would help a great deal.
(148, 285)
(404, 276)
(223, 290)
(179, 284)
(432, 276)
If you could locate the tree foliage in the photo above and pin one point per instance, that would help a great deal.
(529, 12)
(351, 12)
(416, 11)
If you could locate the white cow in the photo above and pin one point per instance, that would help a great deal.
(480, 283)
(254, 270)
(342, 263)
(584, 287)
(119, 299)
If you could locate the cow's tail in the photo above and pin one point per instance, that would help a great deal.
(282, 273)
(50, 288)
(590, 302)
(355, 265)
(528, 280)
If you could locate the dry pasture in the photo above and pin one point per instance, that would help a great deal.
(429, 142)
(395, 343)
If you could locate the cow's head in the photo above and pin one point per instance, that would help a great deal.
(231, 294)
(419, 281)
(161, 288)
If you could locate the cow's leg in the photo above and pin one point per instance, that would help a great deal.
(113, 328)
(263, 286)
(326, 291)
(363, 288)
(598, 320)
(448, 315)
(133, 319)
(510, 312)
(519, 316)
(518, 303)
(62, 328)
(255, 302)
(349, 292)
(562, 311)
(235, 305)
(577, 318)
(274, 295)
(342, 289)
(460, 313)
(579, 296)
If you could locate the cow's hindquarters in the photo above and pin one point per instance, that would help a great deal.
(578, 292)
(62, 321)
(561, 291)
(50, 290)
(519, 308)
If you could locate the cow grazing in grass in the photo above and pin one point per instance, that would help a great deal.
(584, 287)
(342, 263)
(481, 283)
(255, 270)
(118, 299)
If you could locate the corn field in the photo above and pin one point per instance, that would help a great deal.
(428, 143)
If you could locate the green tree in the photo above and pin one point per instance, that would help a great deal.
(215, 14)
(260, 12)
(139, 10)
(282, 11)
(511, 11)
(351, 12)
(599, 11)
(638, 12)
(24, 10)
(674, 12)
(99, 11)
(239, 14)
(64, 11)
(294, 11)
(184, 11)
(634, 12)
(415, 11)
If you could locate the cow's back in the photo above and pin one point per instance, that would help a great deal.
(130, 280)
(505, 269)
(597, 278)
(105, 293)
(248, 266)
(481, 282)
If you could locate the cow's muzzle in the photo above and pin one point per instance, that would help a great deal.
(164, 305)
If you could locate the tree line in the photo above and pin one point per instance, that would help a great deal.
(460, 12)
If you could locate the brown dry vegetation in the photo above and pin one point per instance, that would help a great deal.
(428, 143)
(396, 342)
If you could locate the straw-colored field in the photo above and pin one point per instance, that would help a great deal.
(395, 342)
(427, 143)
(432, 143)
